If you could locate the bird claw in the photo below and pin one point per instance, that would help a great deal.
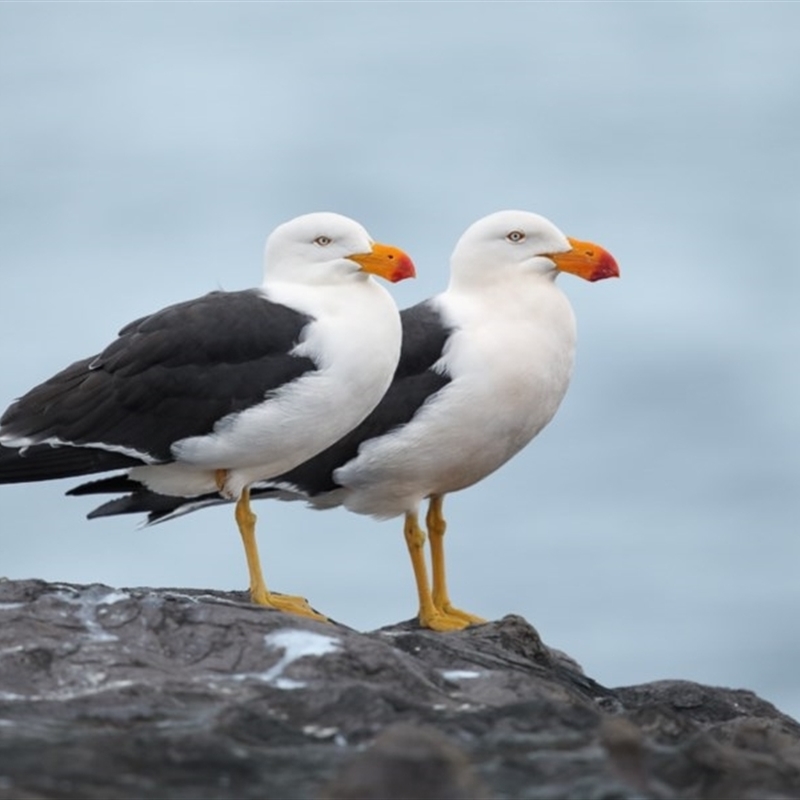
(289, 604)
(448, 619)
(470, 619)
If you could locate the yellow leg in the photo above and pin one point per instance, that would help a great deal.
(429, 615)
(246, 520)
(415, 541)
(437, 526)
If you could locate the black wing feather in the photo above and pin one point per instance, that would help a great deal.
(43, 462)
(168, 376)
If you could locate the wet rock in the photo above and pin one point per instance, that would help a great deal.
(134, 693)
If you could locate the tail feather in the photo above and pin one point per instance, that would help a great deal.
(158, 507)
(138, 499)
(113, 484)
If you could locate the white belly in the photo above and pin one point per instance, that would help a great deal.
(509, 377)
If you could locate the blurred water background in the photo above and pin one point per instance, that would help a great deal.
(652, 530)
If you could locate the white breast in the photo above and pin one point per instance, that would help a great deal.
(510, 360)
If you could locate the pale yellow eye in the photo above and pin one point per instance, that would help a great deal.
(515, 236)
(322, 241)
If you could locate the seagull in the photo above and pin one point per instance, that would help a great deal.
(484, 367)
(222, 392)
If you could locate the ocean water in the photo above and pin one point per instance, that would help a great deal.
(651, 531)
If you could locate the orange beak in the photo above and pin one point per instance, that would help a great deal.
(387, 262)
(586, 260)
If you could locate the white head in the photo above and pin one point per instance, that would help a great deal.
(515, 243)
(330, 248)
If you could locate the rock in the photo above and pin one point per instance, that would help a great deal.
(166, 693)
(407, 760)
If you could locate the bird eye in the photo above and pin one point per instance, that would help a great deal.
(322, 241)
(515, 236)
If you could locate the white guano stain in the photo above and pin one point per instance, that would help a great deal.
(459, 674)
(296, 644)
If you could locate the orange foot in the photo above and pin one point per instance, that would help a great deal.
(290, 604)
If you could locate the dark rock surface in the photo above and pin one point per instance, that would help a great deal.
(143, 693)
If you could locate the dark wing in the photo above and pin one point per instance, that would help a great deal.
(415, 381)
(168, 376)
(42, 462)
